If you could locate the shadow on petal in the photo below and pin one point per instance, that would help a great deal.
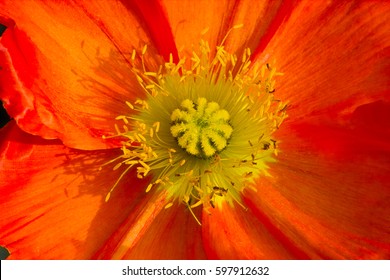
(53, 198)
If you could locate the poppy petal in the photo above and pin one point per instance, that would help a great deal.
(174, 234)
(329, 190)
(233, 233)
(153, 15)
(219, 17)
(340, 56)
(68, 67)
(133, 228)
(53, 198)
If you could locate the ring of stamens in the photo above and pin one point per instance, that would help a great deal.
(205, 128)
(202, 129)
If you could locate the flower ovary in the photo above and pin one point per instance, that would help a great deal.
(202, 129)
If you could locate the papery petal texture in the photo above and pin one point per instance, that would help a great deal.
(251, 239)
(331, 188)
(69, 65)
(53, 198)
(165, 234)
(340, 58)
(214, 19)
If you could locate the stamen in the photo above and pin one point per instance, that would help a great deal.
(204, 130)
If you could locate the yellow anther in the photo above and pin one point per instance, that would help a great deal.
(170, 58)
(144, 49)
(168, 205)
(204, 31)
(117, 166)
(144, 164)
(140, 136)
(153, 74)
(149, 187)
(149, 86)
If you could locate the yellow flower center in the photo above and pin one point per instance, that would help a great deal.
(204, 130)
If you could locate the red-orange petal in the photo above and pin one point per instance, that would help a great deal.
(52, 198)
(334, 56)
(189, 18)
(67, 64)
(152, 232)
(233, 233)
(133, 228)
(174, 234)
(329, 190)
(153, 15)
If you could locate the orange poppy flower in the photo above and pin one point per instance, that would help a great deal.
(319, 182)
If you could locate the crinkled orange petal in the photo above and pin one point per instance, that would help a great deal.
(52, 198)
(334, 55)
(233, 233)
(330, 187)
(66, 65)
(190, 18)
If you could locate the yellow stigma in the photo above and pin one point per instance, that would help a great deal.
(204, 130)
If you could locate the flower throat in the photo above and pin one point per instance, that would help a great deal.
(204, 130)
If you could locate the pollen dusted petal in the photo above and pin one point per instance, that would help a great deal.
(52, 198)
(78, 67)
(340, 56)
